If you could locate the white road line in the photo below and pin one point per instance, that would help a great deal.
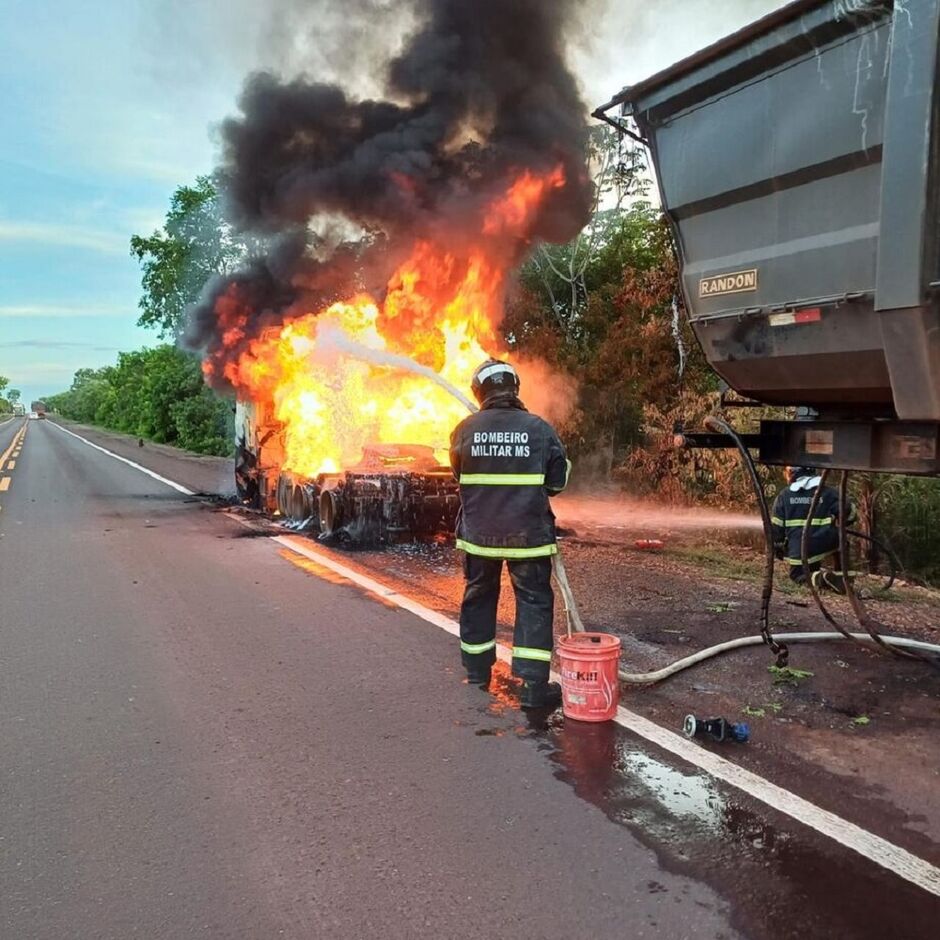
(892, 857)
(156, 476)
(902, 863)
(372, 586)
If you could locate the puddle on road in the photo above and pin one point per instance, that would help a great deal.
(780, 883)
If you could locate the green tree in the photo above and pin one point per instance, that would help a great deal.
(4, 382)
(14, 395)
(194, 244)
(154, 393)
(565, 275)
(204, 423)
(620, 339)
(83, 399)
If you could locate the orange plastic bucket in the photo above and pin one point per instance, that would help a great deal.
(590, 689)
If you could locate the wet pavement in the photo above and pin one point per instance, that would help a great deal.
(202, 739)
(846, 727)
(769, 876)
(781, 879)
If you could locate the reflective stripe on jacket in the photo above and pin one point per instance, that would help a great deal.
(789, 516)
(507, 462)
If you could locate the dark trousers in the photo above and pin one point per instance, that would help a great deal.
(535, 603)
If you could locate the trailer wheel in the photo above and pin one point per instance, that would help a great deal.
(303, 504)
(282, 496)
(330, 512)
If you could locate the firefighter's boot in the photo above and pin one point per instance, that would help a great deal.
(826, 580)
(537, 693)
(480, 676)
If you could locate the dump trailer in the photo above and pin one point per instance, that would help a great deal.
(394, 493)
(797, 161)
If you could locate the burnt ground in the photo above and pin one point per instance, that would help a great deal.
(859, 736)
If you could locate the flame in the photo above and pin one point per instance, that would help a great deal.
(441, 309)
(515, 208)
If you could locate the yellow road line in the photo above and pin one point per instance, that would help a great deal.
(16, 440)
(15, 447)
(6, 454)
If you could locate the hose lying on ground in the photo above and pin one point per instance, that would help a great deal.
(649, 678)
(776, 642)
(657, 675)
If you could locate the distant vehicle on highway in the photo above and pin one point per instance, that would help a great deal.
(19, 409)
(38, 410)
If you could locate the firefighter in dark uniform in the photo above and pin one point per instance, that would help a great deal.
(508, 463)
(789, 517)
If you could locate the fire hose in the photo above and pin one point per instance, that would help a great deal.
(576, 625)
(776, 642)
(901, 646)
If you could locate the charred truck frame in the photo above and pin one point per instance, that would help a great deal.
(395, 493)
(797, 161)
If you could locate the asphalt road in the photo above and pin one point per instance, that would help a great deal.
(8, 429)
(202, 737)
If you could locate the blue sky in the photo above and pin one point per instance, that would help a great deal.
(107, 105)
(96, 130)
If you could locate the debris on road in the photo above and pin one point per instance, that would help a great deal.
(719, 729)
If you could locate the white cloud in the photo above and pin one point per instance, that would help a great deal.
(624, 41)
(41, 371)
(69, 236)
(55, 344)
(63, 311)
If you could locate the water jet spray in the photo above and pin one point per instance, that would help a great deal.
(331, 338)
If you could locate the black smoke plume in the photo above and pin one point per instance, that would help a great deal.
(479, 93)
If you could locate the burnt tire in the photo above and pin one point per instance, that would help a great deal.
(300, 509)
(331, 512)
(282, 498)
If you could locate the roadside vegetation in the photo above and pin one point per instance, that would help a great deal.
(153, 393)
(605, 310)
(8, 396)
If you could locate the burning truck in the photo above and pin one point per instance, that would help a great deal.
(395, 492)
(385, 232)
(345, 413)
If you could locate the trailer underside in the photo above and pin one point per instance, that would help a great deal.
(396, 493)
